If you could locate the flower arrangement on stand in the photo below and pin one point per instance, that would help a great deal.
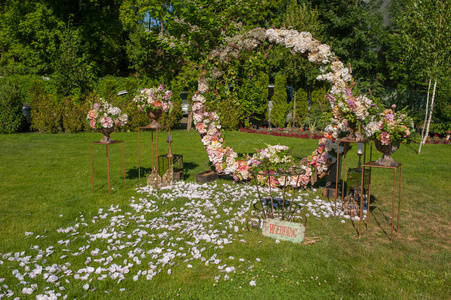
(388, 129)
(350, 112)
(103, 116)
(154, 101)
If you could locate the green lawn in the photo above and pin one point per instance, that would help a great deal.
(46, 185)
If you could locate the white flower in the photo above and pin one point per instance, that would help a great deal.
(27, 291)
(253, 283)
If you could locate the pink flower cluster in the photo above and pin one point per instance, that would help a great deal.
(391, 127)
(104, 115)
(209, 127)
(154, 98)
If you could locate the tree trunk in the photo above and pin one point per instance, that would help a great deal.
(430, 117)
(190, 120)
(427, 108)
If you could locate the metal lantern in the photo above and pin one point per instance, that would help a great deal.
(171, 164)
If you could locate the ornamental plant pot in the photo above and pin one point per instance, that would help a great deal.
(154, 115)
(386, 150)
(106, 135)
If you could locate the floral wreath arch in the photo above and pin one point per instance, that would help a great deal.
(225, 159)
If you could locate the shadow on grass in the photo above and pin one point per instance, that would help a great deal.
(133, 173)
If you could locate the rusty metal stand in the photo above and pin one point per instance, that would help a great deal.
(154, 148)
(344, 140)
(108, 162)
(372, 164)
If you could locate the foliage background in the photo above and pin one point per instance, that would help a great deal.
(80, 45)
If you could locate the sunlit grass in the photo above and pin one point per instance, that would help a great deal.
(46, 184)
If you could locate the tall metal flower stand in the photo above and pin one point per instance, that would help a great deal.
(343, 177)
(154, 154)
(371, 165)
(108, 161)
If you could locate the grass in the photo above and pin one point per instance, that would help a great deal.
(46, 185)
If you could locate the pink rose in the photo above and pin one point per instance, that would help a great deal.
(201, 128)
(106, 122)
(165, 107)
(92, 114)
(92, 123)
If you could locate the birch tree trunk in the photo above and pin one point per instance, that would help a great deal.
(430, 117)
(427, 109)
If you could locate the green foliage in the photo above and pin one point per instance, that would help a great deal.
(279, 99)
(29, 36)
(419, 43)
(45, 110)
(320, 108)
(74, 115)
(303, 18)
(253, 90)
(71, 75)
(11, 114)
(442, 117)
(33, 33)
(355, 32)
(301, 107)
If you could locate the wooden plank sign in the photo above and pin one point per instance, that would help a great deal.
(284, 230)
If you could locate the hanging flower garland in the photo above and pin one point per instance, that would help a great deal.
(346, 107)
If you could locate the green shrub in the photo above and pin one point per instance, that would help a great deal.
(320, 109)
(74, 115)
(229, 113)
(46, 112)
(301, 107)
(12, 118)
(279, 100)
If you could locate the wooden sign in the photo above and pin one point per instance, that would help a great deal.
(284, 230)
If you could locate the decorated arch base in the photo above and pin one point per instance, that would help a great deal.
(349, 111)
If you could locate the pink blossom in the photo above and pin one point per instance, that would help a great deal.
(165, 107)
(106, 122)
(385, 138)
(93, 123)
(92, 114)
(96, 105)
(201, 128)
(393, 106)
(390, 117)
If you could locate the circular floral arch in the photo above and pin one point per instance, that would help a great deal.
(347, 108)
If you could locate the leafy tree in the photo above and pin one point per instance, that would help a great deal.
(170, 34)
(31, 32)
(71, 70)
(421, 43)
(279, 100)
(355, 32)
(29, 35)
